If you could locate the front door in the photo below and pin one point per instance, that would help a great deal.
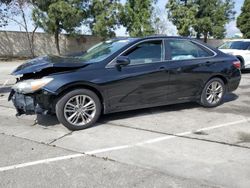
(141, 83)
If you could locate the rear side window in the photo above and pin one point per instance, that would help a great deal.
(184, 50)
(146, 52)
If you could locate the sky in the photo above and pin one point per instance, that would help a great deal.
(231, 27)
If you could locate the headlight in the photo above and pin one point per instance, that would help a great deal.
(32, 85)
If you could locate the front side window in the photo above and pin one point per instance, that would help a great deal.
(146, 52)
(185, 49)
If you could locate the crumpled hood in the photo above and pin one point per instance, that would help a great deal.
(45, 62)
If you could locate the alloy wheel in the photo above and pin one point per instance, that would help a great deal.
(79, 110)
(214, 93)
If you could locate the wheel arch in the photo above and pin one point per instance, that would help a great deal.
(223, 78)
(239, 57)
(70, 87)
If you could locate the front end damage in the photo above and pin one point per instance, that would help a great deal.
(41, 102)
(29, 94)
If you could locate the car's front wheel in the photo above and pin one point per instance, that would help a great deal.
(213, 92)
(78, 109)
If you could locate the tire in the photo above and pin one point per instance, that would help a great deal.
(78, 109)
(216, 88)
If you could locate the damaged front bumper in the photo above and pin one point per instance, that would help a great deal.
(31, 104)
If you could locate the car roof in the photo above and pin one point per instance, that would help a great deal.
(132, 39)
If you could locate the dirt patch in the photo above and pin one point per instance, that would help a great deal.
(244, 137)
(200, 132)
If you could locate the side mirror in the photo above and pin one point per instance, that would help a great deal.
(122, 61)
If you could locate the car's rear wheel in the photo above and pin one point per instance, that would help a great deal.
(213, 92)
(78, 109)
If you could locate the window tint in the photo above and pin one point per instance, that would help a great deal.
(184, 49)
(146, 52)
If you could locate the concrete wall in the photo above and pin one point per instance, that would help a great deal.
(15, 44)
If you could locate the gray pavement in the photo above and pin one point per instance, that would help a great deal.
(182, 145)
(6, 67)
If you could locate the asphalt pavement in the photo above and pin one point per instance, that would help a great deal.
(182, 145)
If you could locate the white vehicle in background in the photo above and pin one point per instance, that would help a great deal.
(239, 48)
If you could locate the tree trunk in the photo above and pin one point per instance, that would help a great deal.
(32, 40)
(198, 35)
(56, 35)
(27, 32)
(57, 42)
(205, 37)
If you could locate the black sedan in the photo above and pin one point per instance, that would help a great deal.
(124, 74)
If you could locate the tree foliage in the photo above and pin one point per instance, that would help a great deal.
(136, 17)
(201, 17)
(55, 16)
(243, 21)
(104, 17)
(183, 17)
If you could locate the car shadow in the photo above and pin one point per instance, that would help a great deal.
(47, 120)
(51, 120)
(230, 97)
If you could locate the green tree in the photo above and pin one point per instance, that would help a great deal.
(243, 21)
(103, 17)
(55, 16)
(201, 17)
(136, 16)
(183, 17)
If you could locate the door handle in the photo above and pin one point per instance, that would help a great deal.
(179, 69)
(208, 63)
(162, 68)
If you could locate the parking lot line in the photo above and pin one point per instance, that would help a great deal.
(150, 141)
(44, 161)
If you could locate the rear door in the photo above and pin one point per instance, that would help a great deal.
(187, 66)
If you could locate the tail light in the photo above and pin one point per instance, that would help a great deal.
(237, 64)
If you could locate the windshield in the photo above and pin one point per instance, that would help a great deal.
(103, 50)
(238, 45)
